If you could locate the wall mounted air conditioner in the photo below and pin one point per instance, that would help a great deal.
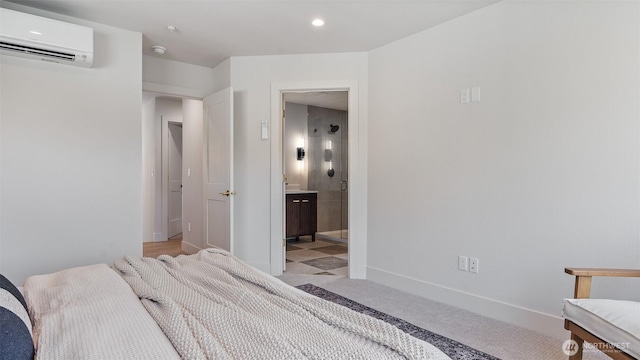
(37, 37)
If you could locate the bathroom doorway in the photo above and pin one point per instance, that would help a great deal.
(315, 157)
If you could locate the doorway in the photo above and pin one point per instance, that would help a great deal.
(206, 148)
(165, 155)
(174, 172)
(315, 157)
(357, 168)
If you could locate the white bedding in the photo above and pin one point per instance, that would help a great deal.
(91, 313)
(204, 306)
(212, 305)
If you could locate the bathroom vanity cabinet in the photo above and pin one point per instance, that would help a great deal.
(302, 214)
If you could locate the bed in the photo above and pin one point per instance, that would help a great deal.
(209, 305)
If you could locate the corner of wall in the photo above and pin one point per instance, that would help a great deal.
(222, 75)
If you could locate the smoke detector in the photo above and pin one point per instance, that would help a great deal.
(160, 50)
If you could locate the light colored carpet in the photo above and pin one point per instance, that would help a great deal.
(494, 337)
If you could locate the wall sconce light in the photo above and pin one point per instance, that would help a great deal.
(328, 155)
(300, 149)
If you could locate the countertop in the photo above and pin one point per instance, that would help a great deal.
(301, 192)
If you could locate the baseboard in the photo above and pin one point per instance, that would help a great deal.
(530, 319)
(189, 248)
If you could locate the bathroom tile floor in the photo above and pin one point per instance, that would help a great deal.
(320, 257)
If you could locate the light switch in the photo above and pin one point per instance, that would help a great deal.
(464, 96)
(265, 129)
(475, 94)
(189, 172)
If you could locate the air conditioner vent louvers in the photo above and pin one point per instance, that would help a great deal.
(35, 51)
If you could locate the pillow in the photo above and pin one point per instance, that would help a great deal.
(15, 326)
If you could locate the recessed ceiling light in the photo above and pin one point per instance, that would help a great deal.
(160, 50)
(317, 22)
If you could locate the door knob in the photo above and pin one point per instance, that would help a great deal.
(227, 193)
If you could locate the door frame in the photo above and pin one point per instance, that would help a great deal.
(357, 146)
(164, 173)
(156, 90)
(167, 179)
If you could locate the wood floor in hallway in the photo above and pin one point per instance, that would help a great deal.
(172, 247)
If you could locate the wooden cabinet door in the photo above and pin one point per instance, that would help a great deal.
(302, 215)
(293, 216)
(308, 214)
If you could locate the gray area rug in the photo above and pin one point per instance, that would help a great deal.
(454, 349)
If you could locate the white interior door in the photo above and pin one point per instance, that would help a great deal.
(218, 169)
(174, 196)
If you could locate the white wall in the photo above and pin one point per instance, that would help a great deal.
(71, 157)
(193, 192)
(251, 78)
(296, 131)
(148, 166)
(541, 174)
(176, 78)
(169, 107)
(221, 76)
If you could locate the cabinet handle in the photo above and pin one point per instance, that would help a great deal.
(305, 201)
(296, 201)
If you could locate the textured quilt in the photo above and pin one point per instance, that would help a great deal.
(90, 313)
(213, 306)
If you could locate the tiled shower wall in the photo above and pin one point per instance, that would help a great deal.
(295, 133)
(332, 200)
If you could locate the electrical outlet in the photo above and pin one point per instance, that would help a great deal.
(474, 265)
(463, 263)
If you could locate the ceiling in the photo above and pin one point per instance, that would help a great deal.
(210, 31)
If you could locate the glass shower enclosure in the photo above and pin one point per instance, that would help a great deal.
(328, 171)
